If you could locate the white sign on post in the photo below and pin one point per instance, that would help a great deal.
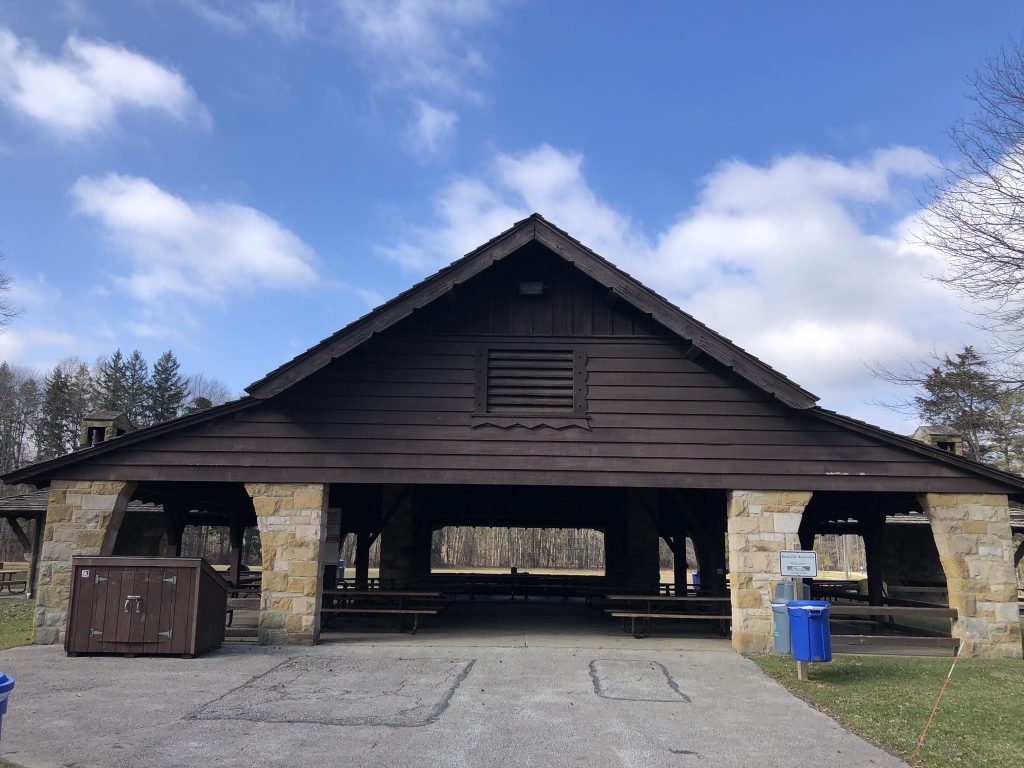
(799, 565)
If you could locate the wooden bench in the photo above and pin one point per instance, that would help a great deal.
(415, 613)
(646, 617)
(401, 603)
(241, 604)
(666, 607)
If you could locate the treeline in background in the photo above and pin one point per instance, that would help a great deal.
(41, 413)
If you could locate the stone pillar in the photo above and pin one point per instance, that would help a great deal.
(972, 534)
(82, 518)
(398, 537)
(292, 519)
(761, 524)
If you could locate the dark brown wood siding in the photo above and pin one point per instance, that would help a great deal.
(403, 409)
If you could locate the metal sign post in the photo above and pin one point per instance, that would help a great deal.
(799, 565)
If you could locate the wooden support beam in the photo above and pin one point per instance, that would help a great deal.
(33, 565)
(177, 509)
(26, 545)
(363, 544)
(236, 533)
(873, 531)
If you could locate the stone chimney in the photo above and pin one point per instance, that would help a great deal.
(943, 438)
(100, 426)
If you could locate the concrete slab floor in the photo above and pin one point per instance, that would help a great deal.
(504, 695)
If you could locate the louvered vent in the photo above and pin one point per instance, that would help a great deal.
(532, 381)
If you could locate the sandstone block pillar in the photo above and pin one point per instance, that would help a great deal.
(972, 535)
(760, 524)
(292, 520)
(82, 518)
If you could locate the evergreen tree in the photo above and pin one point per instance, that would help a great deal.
(123, 385)
(962, 394)
(198, 404)
(110, 383)
(137, 389)
(67, 398)
(52, 434)
(168, 389)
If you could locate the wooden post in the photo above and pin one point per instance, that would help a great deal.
(26, 545)
(237, 533)
(362, 559)
(803, 669)
(872, 529)
(33, 567)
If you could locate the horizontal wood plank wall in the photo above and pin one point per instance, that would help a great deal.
(404, 413)
(400, 409)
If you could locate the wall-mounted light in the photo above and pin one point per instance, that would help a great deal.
(531, 289)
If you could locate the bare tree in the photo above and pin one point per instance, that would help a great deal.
(977, 218)
(8, 310)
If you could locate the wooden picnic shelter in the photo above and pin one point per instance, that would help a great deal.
(532, 383)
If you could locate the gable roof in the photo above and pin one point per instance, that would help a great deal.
(559, 242)
(532, 229)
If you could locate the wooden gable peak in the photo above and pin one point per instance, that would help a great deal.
(536, 228)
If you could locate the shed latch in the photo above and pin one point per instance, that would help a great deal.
(94, 632)
(168, 634)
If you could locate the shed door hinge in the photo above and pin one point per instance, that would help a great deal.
(168, 634)
(95, 632)
(171, 579)
(100, 578)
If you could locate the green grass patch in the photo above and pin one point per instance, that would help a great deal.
(15, 624)
(887, 699)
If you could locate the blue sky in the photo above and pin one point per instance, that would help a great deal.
(237, 180)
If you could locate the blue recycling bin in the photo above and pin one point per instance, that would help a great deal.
(808, 628)
(6, 686)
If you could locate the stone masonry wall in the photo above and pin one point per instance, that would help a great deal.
(292, 519)
(761, 524)
(82, 518)
(972, 534)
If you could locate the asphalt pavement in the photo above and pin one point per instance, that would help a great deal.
(491, 686)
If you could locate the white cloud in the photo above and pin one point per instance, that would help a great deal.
(285, 18)
(31, 347)
(420, 47)
(803, 261)
(200, 250)
(419, 44)
(83, 91)
(432, 128)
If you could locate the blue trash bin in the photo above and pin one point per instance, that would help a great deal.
(6, 686)
(808, 627)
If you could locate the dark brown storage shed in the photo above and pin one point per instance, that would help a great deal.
(145, 605)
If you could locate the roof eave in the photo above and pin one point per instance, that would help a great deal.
(39, 473)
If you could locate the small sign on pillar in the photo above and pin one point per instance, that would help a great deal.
(799, 565)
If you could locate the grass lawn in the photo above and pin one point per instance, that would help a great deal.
(888, 699)
(15, 623)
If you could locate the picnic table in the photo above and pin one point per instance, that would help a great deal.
(397, 602)
(9, 579)
(680, 607)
